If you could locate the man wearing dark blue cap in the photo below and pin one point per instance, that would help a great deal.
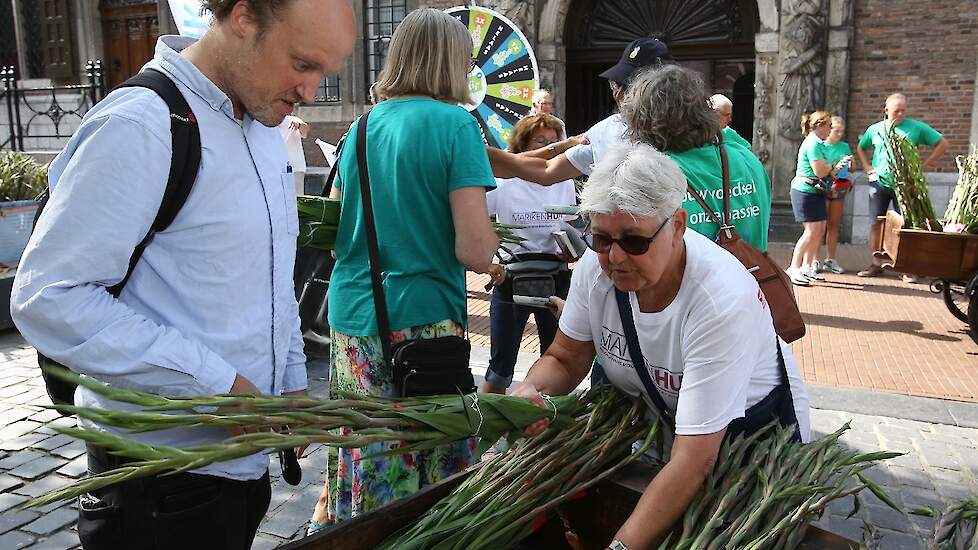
(578, 160)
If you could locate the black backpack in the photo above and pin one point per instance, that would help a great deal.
(183, 171)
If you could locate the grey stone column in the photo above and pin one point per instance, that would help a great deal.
(765, 96)
(167, 24)
(837, 58)
(550, 51)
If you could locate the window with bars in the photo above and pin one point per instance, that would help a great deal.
(380, 19)
(34, 47)
(329, 90)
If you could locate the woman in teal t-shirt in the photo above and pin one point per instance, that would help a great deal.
(429, 172)
(668, 108)
(839, 154)
(808, 196)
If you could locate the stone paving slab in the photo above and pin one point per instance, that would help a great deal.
(940, 438)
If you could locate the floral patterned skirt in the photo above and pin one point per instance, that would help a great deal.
(357, 485)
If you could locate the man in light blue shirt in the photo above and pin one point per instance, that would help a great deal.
(210, 306)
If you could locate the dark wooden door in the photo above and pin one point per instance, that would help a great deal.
(129, 34)
(700, 34)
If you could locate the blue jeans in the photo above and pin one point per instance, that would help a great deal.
(506, 324)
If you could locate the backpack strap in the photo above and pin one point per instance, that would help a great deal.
(184, 164)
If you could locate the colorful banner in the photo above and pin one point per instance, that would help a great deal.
(504, 73)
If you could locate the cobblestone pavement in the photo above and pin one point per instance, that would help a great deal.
(877, 334)
(942, 463)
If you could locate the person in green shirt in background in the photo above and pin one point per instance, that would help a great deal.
(812, 179)
(724, 108)
(667, 108)
(837, 151)
(881, 194)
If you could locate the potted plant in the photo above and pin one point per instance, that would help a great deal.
(21, 180)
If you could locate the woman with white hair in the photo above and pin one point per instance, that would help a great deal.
(687, 313)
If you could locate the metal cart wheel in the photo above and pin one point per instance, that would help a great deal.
(955, 297)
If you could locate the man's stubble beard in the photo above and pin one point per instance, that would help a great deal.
(240, 72)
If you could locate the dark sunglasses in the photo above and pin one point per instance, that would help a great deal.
(634, 245)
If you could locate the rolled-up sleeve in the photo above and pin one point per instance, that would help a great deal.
(107, 189)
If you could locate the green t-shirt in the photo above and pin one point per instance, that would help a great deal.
(750, 191)
(914, 131)
(731, 136)
(835, 151)
(811, 149)
(418, 151)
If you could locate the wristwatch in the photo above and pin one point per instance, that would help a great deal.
(617, 545)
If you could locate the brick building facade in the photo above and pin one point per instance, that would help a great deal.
(777, 58)
(926, 50)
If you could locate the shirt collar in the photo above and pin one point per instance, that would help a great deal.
(168, 58)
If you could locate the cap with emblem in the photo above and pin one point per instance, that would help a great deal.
(640, 53)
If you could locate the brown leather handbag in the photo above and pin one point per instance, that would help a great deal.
(774, 282)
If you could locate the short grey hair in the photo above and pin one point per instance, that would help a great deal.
(668, 108)
(636, 179)
(539, 94)
(720, 100)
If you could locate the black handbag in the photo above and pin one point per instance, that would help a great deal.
(422, 366)
(535, 275)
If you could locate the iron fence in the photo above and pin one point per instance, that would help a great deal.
(27, 109)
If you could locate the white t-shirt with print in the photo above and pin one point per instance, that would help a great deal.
(711, 352)
(607, 133)
(517, 201)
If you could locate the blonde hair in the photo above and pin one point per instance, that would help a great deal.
(836, 119)
(811, 120)
(527, 125)
(429, 54)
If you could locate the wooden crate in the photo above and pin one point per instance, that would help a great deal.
(950, 256)
(595, 518)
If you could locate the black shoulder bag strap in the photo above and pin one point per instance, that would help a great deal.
(183, 166)
(373, 249)
(638, 360)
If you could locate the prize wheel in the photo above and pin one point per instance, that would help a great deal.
(504, 73)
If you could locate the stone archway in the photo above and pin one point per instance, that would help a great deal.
(806, 40)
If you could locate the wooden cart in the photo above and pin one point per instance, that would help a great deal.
(951, 258)
(594, 518)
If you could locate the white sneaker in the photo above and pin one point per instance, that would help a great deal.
(816, 267)
(812, 274)
(832, 266)
(797, 278)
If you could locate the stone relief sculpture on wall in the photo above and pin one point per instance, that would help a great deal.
(763, 100)
(802, 63)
